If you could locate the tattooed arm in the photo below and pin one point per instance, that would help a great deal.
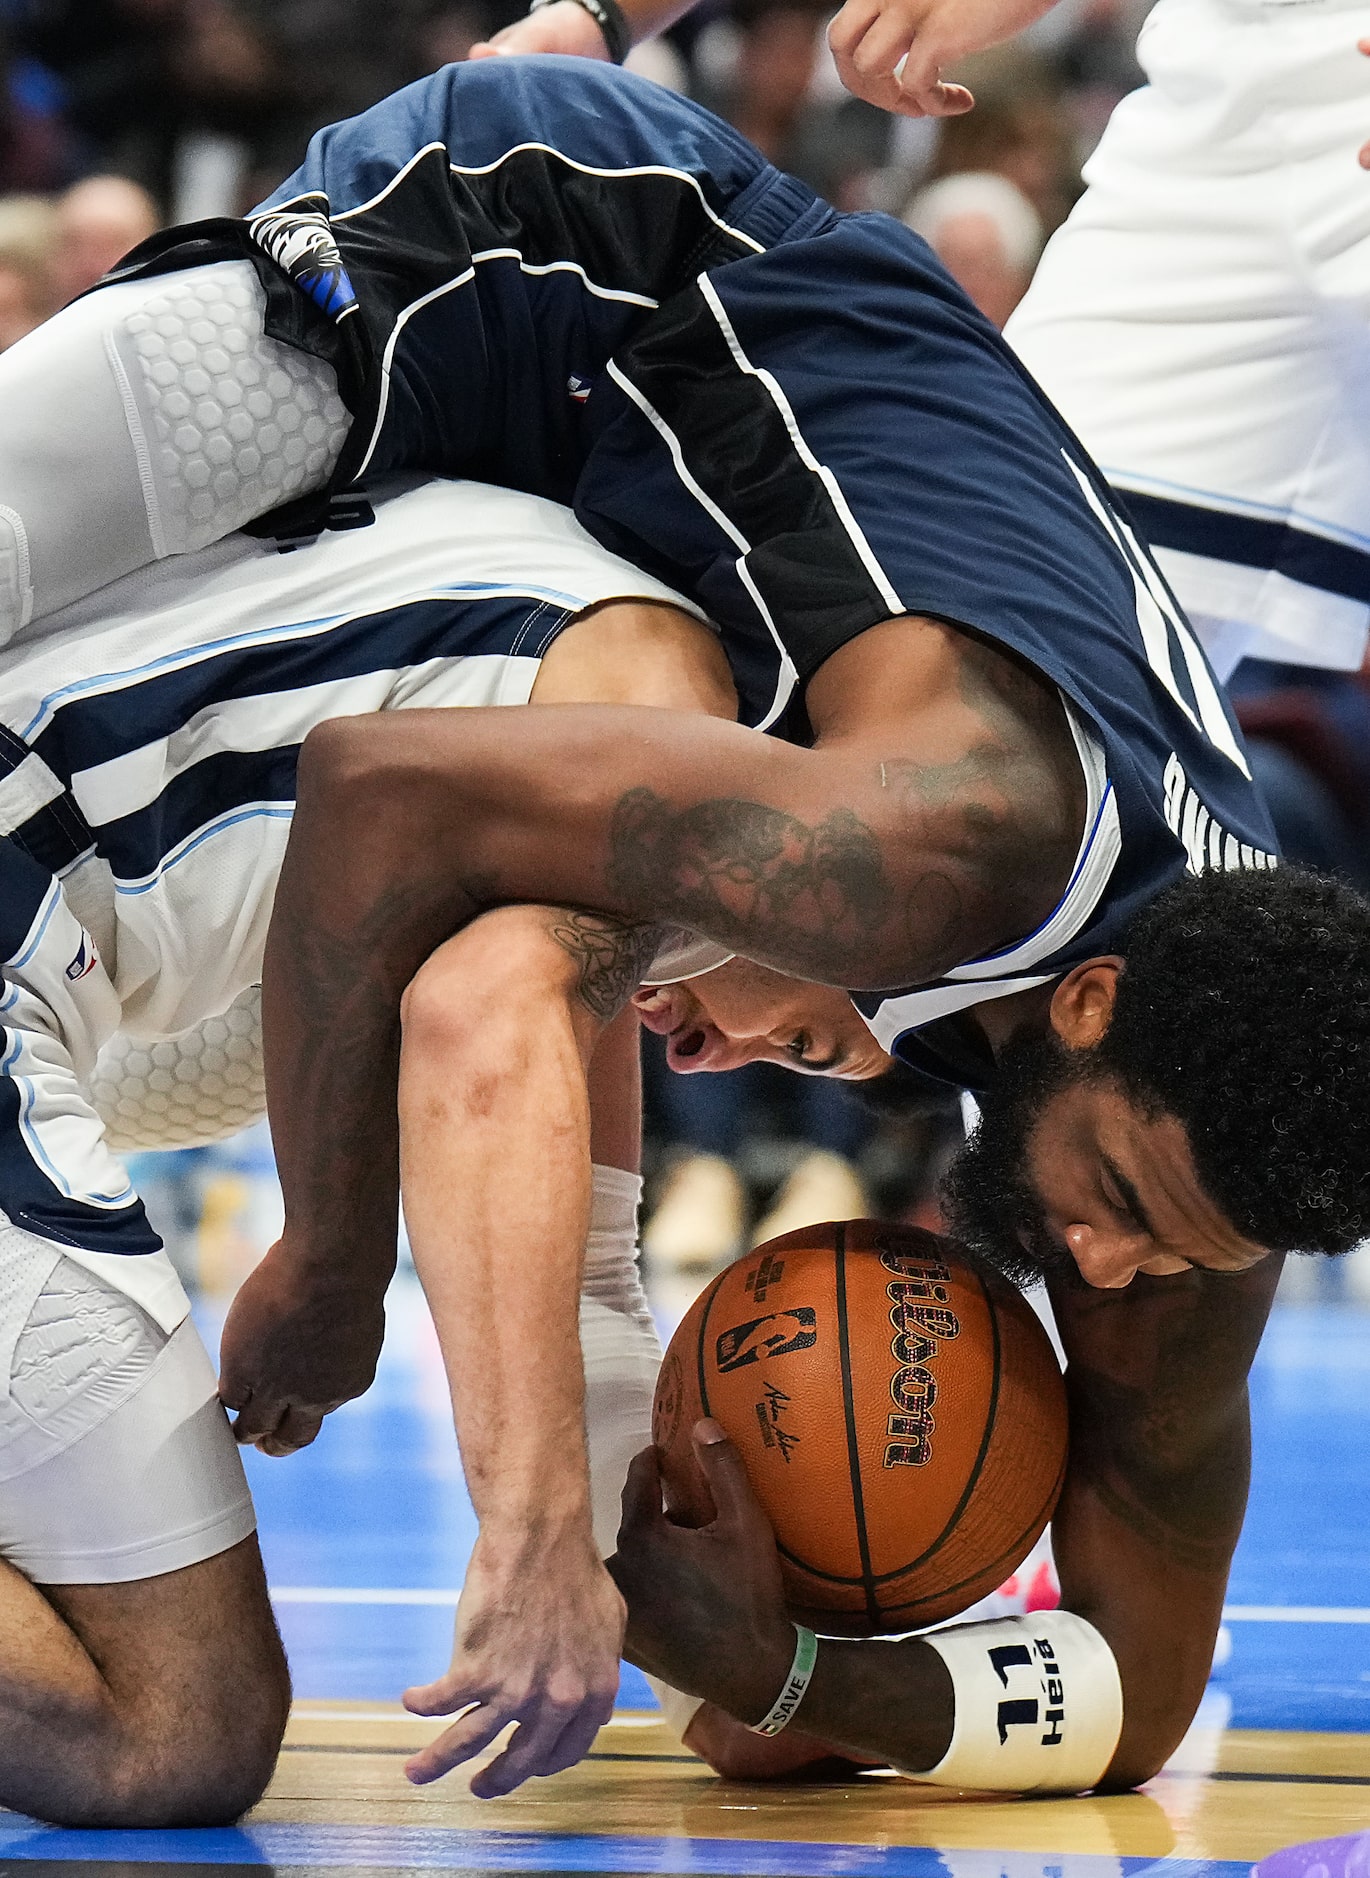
(1157, 1484)
(500, 1028)
(509, 1037)
(937, 818)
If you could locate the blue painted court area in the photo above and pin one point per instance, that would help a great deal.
(291, 1849)
(1304, 1547)
(366, 1534)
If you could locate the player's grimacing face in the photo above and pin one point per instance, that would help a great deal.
(1067, 1168)
(746, 1013)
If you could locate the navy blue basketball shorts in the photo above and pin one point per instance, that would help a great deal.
(550, 274)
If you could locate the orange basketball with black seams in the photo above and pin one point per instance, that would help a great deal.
(899, 1409)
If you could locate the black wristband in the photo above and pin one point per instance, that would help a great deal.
(611, 20)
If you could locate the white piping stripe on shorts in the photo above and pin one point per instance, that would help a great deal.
(461, 280)
(1157, 619)
(488, 169)
(388, 357)
(343, 215)
(788, 675)
(672, 442)
(806, 456)
(568, 267)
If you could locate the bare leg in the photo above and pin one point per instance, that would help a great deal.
(160, 1702)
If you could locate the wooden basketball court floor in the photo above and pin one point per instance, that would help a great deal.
(366, 1536)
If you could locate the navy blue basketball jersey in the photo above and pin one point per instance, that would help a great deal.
(555, 275)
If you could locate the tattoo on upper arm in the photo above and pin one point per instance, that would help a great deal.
(1010, 806)
(611, 954)
(753, 876)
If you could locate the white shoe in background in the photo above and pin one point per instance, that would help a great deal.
(822, 1186)
(699, 1219)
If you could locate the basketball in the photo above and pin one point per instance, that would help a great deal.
(899, 1411)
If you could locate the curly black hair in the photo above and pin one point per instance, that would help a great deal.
(1244, 1011)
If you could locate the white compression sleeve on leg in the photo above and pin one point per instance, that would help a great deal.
(622, 1355)
(1039, 1705)
(148, 419)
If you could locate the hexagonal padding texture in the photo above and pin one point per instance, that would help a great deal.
(202, 1086)
(232, 423)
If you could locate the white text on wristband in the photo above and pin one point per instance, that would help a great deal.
(801, 1670)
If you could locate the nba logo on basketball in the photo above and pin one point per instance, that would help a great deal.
(748, 1343)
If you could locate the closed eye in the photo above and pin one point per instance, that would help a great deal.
(1128, 1201)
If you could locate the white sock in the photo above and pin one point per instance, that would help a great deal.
(619, 1342)
(622, 1355)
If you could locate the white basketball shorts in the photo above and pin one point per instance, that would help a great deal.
(116, 1458)
(1201, 320)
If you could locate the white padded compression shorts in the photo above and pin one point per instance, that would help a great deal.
(150, 419)
(116, 1459)
(184, 1092)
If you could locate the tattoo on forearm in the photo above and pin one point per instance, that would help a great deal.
(751, 875)
(612, 954)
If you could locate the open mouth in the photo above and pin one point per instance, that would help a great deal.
(686, 1042)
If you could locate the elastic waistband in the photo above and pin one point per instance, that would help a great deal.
(775, 207)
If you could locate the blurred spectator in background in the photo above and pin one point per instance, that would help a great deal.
(986, 232)
(762, 71)
(35, 143)
(1021, 129)
(114, 61)
(208, 103)
(729, 1136)
(28, 234)
(96, 223)
(1091, 45)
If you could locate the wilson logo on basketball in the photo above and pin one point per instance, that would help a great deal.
(922, 1323)
(747, 1343)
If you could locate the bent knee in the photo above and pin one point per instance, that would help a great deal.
(202, 1758)
(186, 1781)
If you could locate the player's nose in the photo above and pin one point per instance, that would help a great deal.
(1108, 1261)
